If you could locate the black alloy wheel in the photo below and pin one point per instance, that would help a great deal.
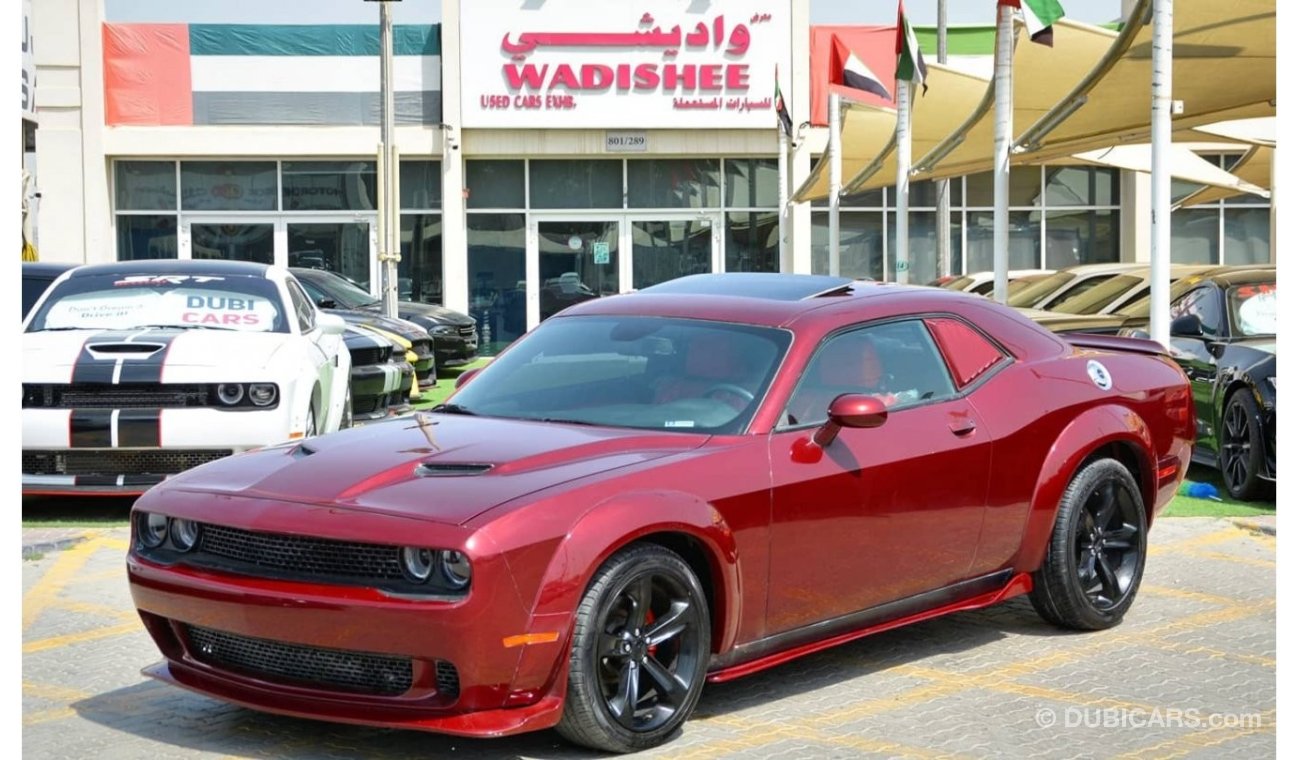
(640, 650)
(1097, 551)
(1241, 447)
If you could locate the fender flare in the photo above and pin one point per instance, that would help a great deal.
(1095, 428)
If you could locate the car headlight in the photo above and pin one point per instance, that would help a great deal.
(151, 529)
(417, 563)
(455, 568)
(262, 394)
(184, 533)
(443, 330)
(230, 394)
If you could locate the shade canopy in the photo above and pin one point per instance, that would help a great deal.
(1255, 169)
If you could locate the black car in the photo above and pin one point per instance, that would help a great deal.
(1223, 333)
(381, 376)
(420, 342)
(37, 276)
(455, 335)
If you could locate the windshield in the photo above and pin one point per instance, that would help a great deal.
(337, 289)
(1253, 308)
(1039, 290)
(632, 372)
(1097, 297)
(1142, 306)
(961, 283)
(124, 302)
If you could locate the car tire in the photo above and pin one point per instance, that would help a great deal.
(1241, 447)
(1097, 551)
(309, 430)
(642, 626)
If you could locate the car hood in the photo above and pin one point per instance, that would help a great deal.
(1264, 344)
(444, 468)
(51, 355)
(428, 312)
(408, 330)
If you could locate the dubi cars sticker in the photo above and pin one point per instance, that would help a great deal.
(1099, 375)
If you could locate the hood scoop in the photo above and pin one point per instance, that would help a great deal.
(124, 348)
(449, 470)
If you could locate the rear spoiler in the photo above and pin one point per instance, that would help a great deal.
(1114, 343)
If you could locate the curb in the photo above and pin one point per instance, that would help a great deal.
(31, 551)
(1255, 527)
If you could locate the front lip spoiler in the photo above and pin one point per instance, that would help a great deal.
(545, 713)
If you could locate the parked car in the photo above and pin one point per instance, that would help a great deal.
(1223, 334)
(137, 370)
(382, 378)
(690, 483)
(414, 341)
(37, 276)
(1120, 291)
(455, 335)
(982, 282)
(1068, 283)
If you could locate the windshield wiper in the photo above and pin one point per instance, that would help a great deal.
(563, 421)
(178, 327)
(453, 409)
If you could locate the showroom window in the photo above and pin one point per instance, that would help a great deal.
(1228, 231)
(419, 273)
(146, 207)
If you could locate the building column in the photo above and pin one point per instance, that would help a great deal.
(455, 264)
(97, 236)
(800, 217)
(1135, 216)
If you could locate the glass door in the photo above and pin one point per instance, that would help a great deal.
(664, 249)
(576, 260)
(230, 238)
(345, 246)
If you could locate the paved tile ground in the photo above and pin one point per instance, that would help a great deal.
(1190, 673)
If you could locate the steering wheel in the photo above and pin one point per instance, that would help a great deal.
(731, 388)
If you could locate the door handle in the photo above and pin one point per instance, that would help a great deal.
(962, 426)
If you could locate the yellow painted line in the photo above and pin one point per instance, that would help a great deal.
(47, 589)
(55, 642)
(97, 609)
(1182, 593)
(45, 716)
(1268, 564)
(53, 693)
(111, 542)
(1200, 739)
(1193, 649)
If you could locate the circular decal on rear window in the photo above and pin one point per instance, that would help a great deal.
(1099, 374)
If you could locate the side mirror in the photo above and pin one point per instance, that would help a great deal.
(850, 410)
(331, 324)
(466, 375)
(1187, 326)
(327, 303)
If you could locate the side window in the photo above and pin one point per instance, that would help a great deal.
(967, 353)
(1204, 302)
(896, 361)
(302, 307)
(316, 295)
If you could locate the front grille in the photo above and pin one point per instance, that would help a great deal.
(302, 555)
(369, 355)
(468, 331)
(335, 669)
(448, 680)
(129, 396)
(117, 461)
(422, 346)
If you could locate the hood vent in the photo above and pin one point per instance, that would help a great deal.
(124, 348)
(449, 470)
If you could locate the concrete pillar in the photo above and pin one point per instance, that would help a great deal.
(1135, 216)
(455, 264)
(800, 112)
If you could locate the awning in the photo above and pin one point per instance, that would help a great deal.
(1254, 169)
(1183, 164)
(1225, 67)
(868, 140)
(1262, 131)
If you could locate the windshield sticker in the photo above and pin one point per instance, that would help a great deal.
(1257, 314)
(680, 423)
(165, 279)
(123, 310)
(1099, 374)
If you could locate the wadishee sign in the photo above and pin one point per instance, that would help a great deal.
(619, 64)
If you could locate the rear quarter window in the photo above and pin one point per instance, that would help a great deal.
(968, 354)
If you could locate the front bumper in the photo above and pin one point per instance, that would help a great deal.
(500, 688)
(379, 390)
(57, 460)
(454, 350)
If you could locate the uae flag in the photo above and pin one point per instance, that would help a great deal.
(849, 70)
(783, 113)
(911, 66)
(1039, 17)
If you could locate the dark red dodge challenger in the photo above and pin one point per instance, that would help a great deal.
(686, 484)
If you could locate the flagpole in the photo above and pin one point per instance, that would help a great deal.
(1162, 79)
(942, 223)
(833, 239)
(783, 197)
(1002, 152)
(903, 151)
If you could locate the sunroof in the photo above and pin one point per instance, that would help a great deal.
(768, 285)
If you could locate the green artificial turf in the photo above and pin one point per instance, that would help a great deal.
(1186, 506)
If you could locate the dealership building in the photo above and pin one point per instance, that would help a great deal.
(549, 152)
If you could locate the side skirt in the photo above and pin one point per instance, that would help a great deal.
(775, 650)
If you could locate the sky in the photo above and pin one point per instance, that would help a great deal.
(874, 12)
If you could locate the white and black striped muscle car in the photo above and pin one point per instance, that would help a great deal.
(134, 371)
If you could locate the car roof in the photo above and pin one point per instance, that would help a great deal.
(1236, 275)
(1106, 268)
(209, 267)
(766, 285)
(46, 268)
